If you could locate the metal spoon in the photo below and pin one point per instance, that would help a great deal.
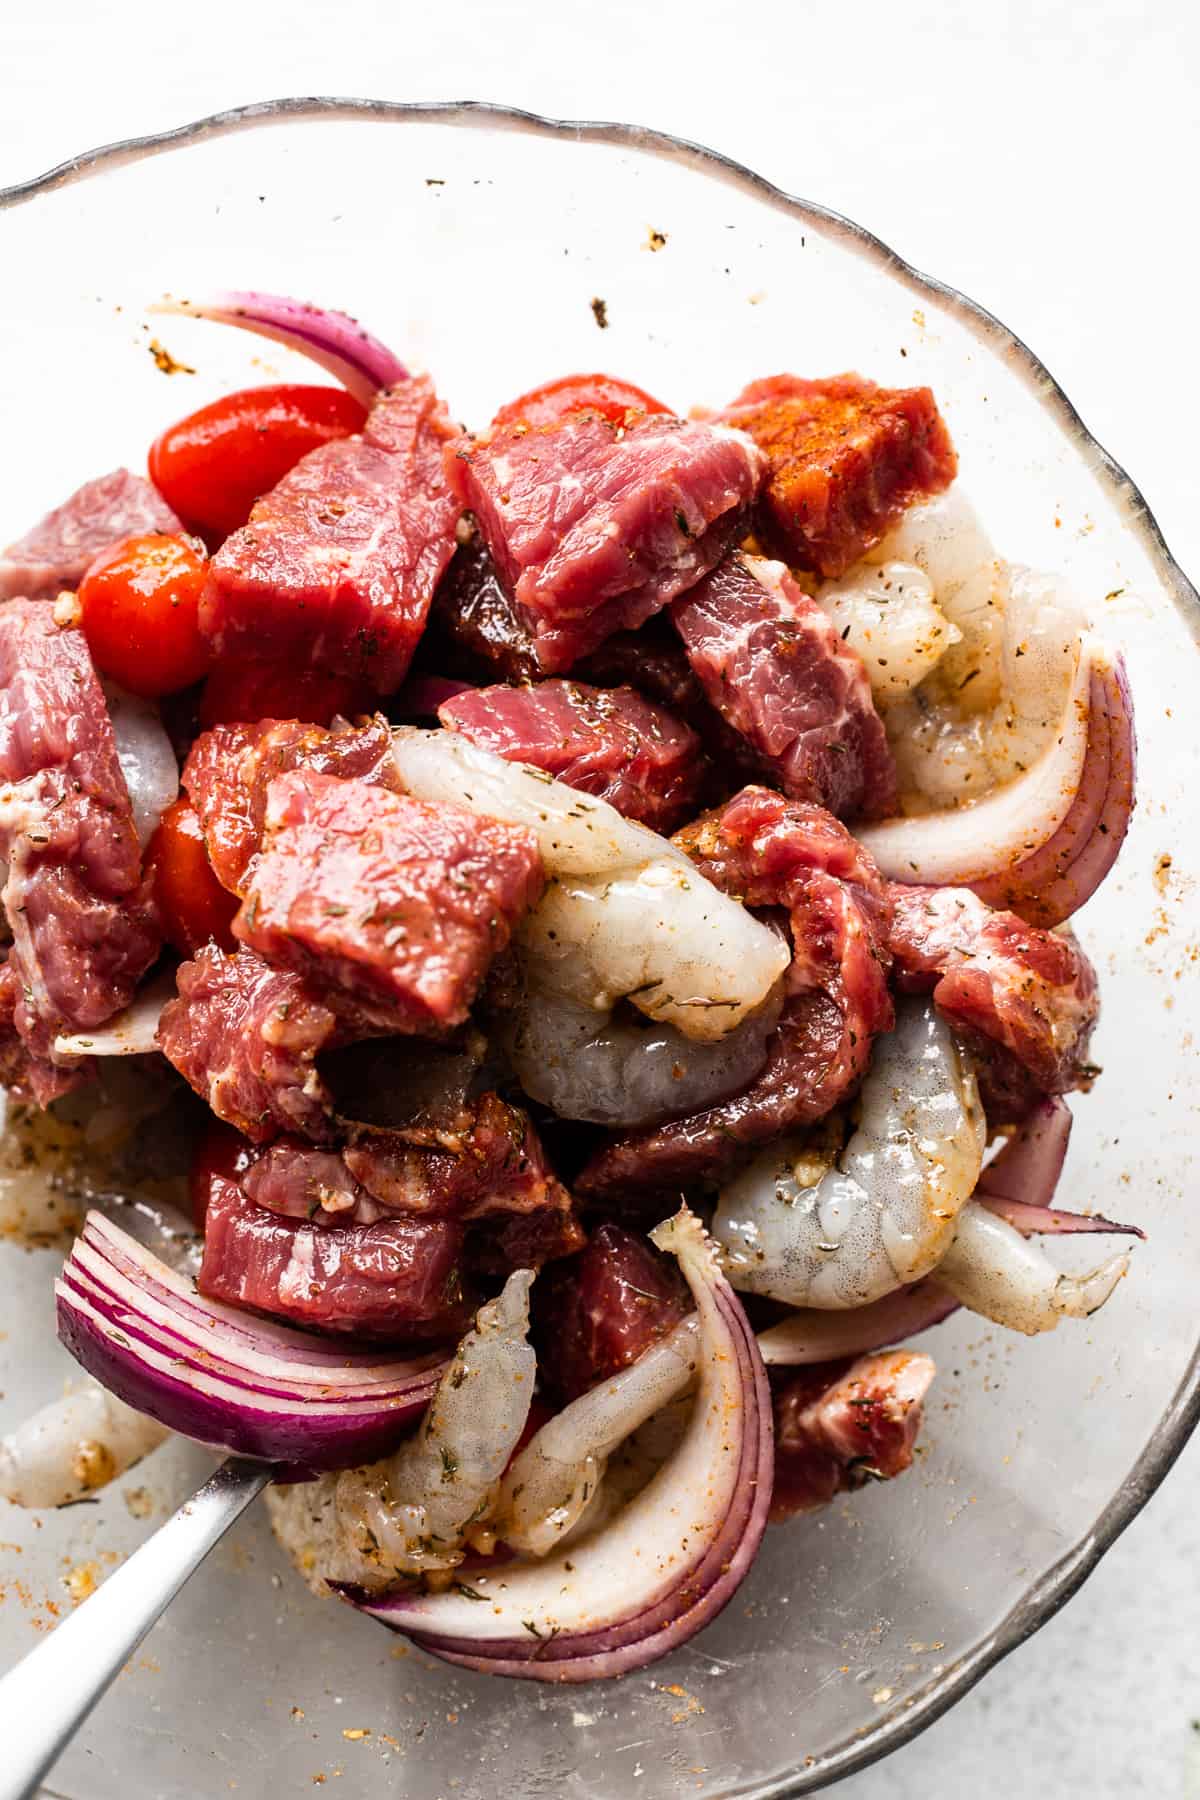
(45, 1699)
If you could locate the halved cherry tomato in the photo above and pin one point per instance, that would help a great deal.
(195, 908)
(554, 400)
(140, 603)
(242, 693)
(222, 1154)
(213, 465)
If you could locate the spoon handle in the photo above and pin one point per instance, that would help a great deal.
(47, 1696)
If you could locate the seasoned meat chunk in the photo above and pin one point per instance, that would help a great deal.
(59, 549)
(594, 526)
(392, 904)
(845, 457)
(338, 564)
(600, 1311)
(230, 768)
(1024, 1000)
(490, 1172)
(775, 669)
(606, 742)
(247, 1037)
(83, 929)
(398, 1280)
(838, 1425)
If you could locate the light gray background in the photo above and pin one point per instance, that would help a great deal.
(1044, 157)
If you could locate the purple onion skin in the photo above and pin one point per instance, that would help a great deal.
(1054, 881)
(308, 1445)
(893, 1319)
(1051, 1221)
(1020, 1183)
(333, 339)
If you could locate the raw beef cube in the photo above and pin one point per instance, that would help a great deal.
(83, 929)
(230, 768)
(602, 1310)
(59, 550)
(397, 905)
(594, 526)
(247, 1037)
(397, 1280)
(772, 664)
(338, 563)
(1025, 1000)
(604, 741)
(845, 458)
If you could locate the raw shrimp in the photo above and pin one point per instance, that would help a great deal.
(74, 1446)
(995, 1271)
(408, 1514)
(888, 614)
(947, 752)
(945, 540)
(626, 915)
(589, 1065)
(549, 1487)
(884, 1214)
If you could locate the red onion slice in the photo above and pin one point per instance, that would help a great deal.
(1052, 1221)
(1029, 1165)
(223, 1377)
(1053, 882)
(665, 1565)
(1019, 1183)
(333, 339)
(1039, 845)
(812, 1336)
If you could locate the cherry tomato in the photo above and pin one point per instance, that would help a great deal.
(140, 602)
(242, 693)
(195, 908)
(222, 1154)
(604, 394)
(213, 465)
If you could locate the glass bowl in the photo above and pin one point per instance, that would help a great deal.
(477, 242)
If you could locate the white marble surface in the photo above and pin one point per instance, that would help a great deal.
(1041, 156)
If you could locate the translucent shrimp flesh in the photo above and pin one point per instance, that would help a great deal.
(948, 751)
(612, 1071)
(409, 1514)
(888, 614)
(995, 1271)
(626, 915)
(74, 1446)
(884, 1214)
(969, 582)
(550, 1485)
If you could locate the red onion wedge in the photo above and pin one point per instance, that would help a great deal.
(1029, 1165)
(664, 1565)
(1053, 882)
(1019, 1183)
(1041, 844)
(333, 339)
(1051, 1221)
(813, 1336)
(225, 1377)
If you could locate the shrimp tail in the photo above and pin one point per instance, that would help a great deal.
(996, 1272)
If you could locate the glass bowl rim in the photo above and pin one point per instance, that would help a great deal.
(1063, 1579)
